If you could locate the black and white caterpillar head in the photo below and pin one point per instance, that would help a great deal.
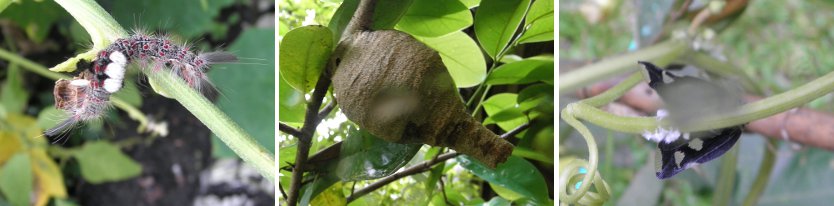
(688, 99)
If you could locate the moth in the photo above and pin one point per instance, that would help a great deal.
(688, 100)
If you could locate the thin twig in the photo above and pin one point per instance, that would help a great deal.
(289, 130)
(416, 169)
(327, 109)
(311, 121)
(443, 190)
(421, 167)
(283, 194)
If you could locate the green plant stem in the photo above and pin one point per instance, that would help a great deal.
(228, 131)
(760, 184)
(36, 68)
(726, 178)
(103, 30)
(663, 52)
(592, 156)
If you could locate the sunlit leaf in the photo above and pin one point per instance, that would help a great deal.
(50, 180)
(500, 102)
(496, 22)
(430, 18)
(331, 196)
(522, 72)
(538, 22)
(303, 54)
(461, 56)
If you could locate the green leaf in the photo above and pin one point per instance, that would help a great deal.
(291, 104)
(331, 196)
(49, 117)
(388, 12)
(304, 52)
(496, 22)
(470, 3)
(497, 201)
(431, 18)
(522, 72)
(516, 174)
(461, 56)
(286, 155)
(37, 27)
(534, 91)
(4, 4)
(539, 22)
(13, 96)
(183, 18)
(386, 15)
(804, 181)
(102, 162)
(129, 93)
(530, 154)
(500, 102)
(364, 156)
(505, 115)
(341, 17)
(249, 89)
(16, 179)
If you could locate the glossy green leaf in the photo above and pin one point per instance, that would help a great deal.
(500, 102)
(430, 18)
(102, 162)
(248, 90)
(461, 56)
(507, 114)
(388, 12)
(386, 15)
(516, 174)
(331, 196)
(341, 17)
(522, 72)
(12, 95)
(533, 91)
(364, 156)
(498, 201)
(16, 179)
(291, 104)
(496, 22)
(470, 3)
(303, 54)
(538, 22)
(187, 19)
(530, 154)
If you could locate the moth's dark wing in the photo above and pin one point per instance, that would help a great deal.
(655, 74)
(675, 157)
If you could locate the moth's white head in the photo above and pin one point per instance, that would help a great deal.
(80, 82)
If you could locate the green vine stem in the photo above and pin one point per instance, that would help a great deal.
(662, 52)
(103, 30)
(36, 68)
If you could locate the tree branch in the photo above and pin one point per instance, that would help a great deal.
(305, 140)
(289, 130)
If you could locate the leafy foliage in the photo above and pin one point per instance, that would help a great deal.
(446, 27)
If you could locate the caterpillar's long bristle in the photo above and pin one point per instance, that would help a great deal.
(218, 57)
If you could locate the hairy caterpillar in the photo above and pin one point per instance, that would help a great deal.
(86, 97)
